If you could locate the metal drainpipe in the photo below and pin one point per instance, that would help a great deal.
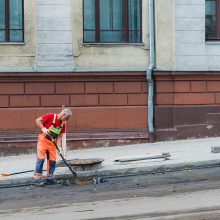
(149, 71)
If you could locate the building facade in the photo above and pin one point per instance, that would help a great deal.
(93, 55)
(187, 92)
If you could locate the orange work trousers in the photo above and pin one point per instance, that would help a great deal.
(45, 147)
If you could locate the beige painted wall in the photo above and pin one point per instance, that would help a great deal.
(107, 57)
(21, 56)
(98, 57)
(164, 29)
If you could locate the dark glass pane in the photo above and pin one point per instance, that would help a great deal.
(15, 14)
(210, 32)
(134, 36)
(134, 14)
(210, 18)
(117, 18)
(2, 14)
(2, 36)
(16, 36)
(105, 15)
(89, 36)
(89, 14)
(111, 36)
(111, 17)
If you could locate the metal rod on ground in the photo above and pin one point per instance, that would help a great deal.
(142, 157)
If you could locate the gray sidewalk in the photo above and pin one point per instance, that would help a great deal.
(185, 154)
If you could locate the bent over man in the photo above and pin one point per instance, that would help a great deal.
(52, 129)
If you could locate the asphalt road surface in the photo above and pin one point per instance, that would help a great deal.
(190, 194)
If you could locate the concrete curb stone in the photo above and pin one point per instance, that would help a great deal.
(91, 176)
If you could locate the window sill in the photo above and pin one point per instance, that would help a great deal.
(113, 44)
(12, 43)
(213, 42)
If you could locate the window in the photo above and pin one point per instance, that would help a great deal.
(212, 22)
(112, 21)
(11, 21)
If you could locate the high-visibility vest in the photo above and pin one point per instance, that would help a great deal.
(55, 131)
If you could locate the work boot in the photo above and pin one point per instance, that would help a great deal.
(50, 181)
(39, 182)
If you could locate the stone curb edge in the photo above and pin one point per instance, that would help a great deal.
(111, 173)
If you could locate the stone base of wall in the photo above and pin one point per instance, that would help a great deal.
(187, 105)
(15, 143)
(181, 122)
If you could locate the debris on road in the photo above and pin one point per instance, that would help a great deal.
(215, 150)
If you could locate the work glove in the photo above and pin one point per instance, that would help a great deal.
(45, 130)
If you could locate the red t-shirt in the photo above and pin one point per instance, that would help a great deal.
(48, 121)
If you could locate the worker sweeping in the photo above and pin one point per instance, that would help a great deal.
(53, 127)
